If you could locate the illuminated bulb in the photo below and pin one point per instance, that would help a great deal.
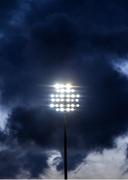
(77, 105)
(58, 90)
(72, 100)
(52, 95)
(57, 86)
(67, 90)
(62, 90)
(57, 100)
(68, 86)
(56, 105)
(68, 95)
(52, 105)
(62, 100)
(72, 109)
(68, 109)
(77, 95)
(68, 100)
(61, 105)
(62, 95)
(57, 109)
(57, 95)
(61, 109)
(72, 90)
(53, 100)
(68, 105)
(77, 100)
(72, 95)
(61, 85)
(72, 105)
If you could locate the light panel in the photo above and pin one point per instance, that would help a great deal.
(65, 98)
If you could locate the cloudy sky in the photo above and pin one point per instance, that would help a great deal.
(84, 42)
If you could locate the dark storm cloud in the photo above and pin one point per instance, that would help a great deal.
(22, 161)
(5, 7)
(73, 39)
(55, 39)
(26, 161)
(35, 125)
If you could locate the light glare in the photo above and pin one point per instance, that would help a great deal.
(68, 85)
(65, 98)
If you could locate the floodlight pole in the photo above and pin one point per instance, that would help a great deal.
(65, 148)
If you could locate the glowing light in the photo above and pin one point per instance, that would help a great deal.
(52, 95)
(68, 95)
(72, 95)
(68, 100)
(57, 100)
(68, 109)
(56, 105)
(52, 105)
(68, 105)
(61, 85)
(72, 90)
(67, 90)
(62, 95)
(61, 109)
(57, 86)
(64, 98)
(77, 95)
(58, 90)
(61, 105)
(68, 85)
(62, 90)
(72, 105)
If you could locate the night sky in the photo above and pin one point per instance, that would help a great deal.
(84, 42)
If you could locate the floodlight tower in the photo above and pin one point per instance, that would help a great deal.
(65, 100)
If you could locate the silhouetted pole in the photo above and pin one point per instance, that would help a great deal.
(65, 148)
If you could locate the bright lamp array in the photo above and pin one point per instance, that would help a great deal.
(64, 98)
